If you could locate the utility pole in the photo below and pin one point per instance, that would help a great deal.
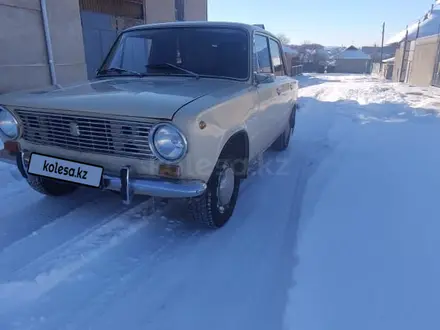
(402, 66)
(381, 49)
(436, 74)
(418, 30)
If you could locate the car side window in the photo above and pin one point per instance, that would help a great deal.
(261, 55)
(277, 59)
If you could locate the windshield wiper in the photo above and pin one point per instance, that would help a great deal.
(120, 70)
(172, 66)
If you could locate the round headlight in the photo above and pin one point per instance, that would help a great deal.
(8, 124)
(168, 143)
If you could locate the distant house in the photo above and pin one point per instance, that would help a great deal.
(292, 56)
(375, 52)
(387, 68)
(352, 60)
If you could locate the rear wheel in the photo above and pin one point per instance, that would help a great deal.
(293, 117)
(215, 207)
(283, 141)
(50, 187)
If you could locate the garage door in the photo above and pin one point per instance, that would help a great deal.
(102, 21)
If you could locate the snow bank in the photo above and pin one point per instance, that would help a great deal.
(368, 239)
(367, 90)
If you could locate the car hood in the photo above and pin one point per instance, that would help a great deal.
(154, 97)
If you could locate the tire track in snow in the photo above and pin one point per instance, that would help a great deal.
(45, 273)
(137, 261)
(140, 261)
(72, 223)
(234, 265)
(19, 220)
(24, 211)
(185, 279)
(92, 287)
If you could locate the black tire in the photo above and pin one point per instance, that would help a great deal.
(206, 209)
(283, 141)
(293, 118)
(50, 187)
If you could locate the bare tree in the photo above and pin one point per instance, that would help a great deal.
(285, 40)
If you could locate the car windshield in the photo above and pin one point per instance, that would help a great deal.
(198, 52)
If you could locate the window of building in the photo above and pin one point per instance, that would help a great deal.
(262, 55)
(277, 59)
(179, 6)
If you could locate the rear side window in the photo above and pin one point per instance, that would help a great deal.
(277, 60)
(262, 55)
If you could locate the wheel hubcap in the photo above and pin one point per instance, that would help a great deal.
(225, 188)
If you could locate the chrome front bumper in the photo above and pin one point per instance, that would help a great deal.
(163, 188)
(128, 186)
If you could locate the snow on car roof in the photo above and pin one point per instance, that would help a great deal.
(429, 25)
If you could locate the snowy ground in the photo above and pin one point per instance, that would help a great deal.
(339, 232)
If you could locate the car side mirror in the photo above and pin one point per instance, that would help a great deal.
(263, 78)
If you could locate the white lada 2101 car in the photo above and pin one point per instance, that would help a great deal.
(177, 110)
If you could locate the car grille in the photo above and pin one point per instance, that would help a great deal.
(87, 134)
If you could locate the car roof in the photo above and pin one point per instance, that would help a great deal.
(184, 24)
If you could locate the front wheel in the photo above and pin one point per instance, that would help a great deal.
(215, 207)
(50, 187)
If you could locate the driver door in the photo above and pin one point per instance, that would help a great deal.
(266, 90)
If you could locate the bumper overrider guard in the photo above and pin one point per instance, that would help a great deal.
(128, 186)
